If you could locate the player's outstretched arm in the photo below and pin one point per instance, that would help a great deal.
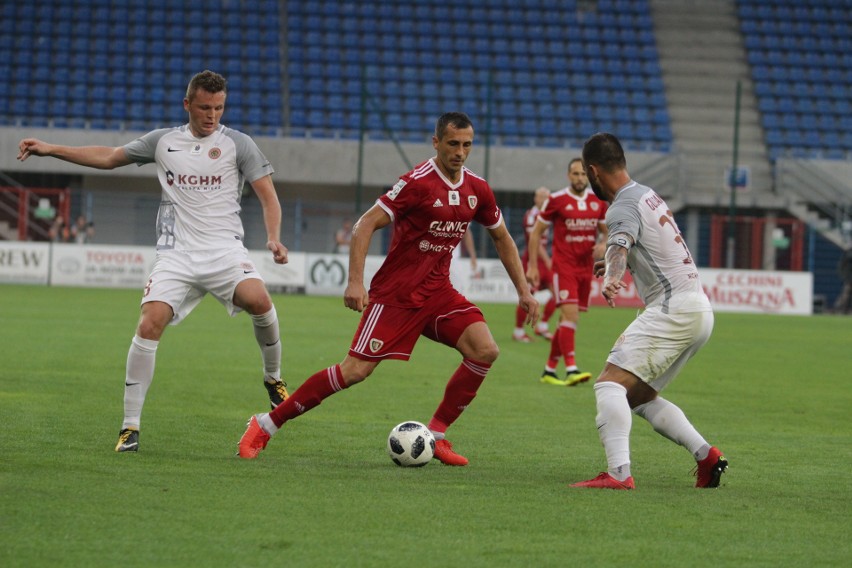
(508, 253)
(355, 296)
(100, 157)
(265, 190)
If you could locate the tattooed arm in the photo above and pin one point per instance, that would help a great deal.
(615, 264)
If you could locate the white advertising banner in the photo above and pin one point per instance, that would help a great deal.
(327, 274)
(100, 266)
(490, 282)
(24, 263)
(288, 277)
(105, 266)
(759, 291)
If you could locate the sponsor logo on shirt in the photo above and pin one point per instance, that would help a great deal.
(394, 191)
(448, 228)
(194, 182)
(426, 246)
(437, 203)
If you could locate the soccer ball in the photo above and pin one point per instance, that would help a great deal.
(411, 444)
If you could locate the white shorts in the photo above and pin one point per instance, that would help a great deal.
(181, 279)
(656, 345)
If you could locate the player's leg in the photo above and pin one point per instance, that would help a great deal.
(543, 327)
(582, 285)
(519, 333)
(139, 370)
(383, 333)
(461, 326)
(561, 295)
(251, 295)
(168, 297)
(686, 334)
(614, 420)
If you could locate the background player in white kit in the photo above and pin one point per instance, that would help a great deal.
(676, 322)
(202, 167)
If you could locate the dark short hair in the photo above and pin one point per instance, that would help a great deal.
(457, 120)
(571, 163)
(207, 80)
(604, 150)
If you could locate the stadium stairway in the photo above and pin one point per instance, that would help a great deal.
(702, 56)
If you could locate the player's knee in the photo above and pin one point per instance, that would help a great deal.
(354, 371)
(148, 329)
(486, 353)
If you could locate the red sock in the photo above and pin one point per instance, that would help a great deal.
(555, 352)
(317, 388)
(566, 342)
(520, 317)
(549, 308)
(459, 393)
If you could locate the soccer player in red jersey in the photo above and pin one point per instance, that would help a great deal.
(579, 234)
(411, 294)
(544, 270)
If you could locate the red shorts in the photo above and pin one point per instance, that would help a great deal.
(572, 288)
(389, 332)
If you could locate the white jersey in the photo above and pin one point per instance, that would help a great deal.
(659, 260)
(202, 181)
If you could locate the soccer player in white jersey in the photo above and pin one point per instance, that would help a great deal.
(411, 296)
(202, 167)
(676, 322)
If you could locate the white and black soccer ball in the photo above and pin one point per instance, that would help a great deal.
(411, 444)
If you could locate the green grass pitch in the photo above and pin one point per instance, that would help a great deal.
(772, 391)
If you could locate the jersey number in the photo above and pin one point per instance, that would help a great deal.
(668, 219)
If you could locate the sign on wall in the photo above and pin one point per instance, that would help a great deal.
(59, 264)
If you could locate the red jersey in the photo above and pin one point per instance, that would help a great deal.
(430, 216)
(530, 217)
(575, 225)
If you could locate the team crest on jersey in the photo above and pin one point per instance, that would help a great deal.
(376, 344)
(396, 189)
(471, 200)
(594, 205)
(214, 153)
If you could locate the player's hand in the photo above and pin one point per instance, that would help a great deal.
(610, 291)
(30, 147)
(279, 252)
(533, 277)
(529, 304)
(600, 268)
(355, 297)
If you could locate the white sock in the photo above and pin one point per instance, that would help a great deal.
(519, 331)
(671, 422)
(267, 424)
(542, 327)
(137, 379)
(268, 338)
(613, 421)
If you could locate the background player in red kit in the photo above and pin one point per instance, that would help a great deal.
(411, 294)
(544, 271)
(579, 234)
